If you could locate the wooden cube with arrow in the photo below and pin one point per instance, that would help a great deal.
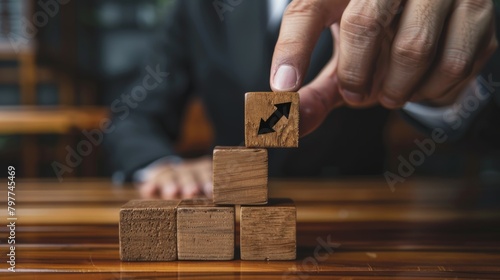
(272, 119)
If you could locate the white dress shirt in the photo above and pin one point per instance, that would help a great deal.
(275, 10)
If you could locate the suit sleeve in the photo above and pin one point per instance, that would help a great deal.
(147, 116)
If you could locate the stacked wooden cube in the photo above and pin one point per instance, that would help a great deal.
(203, 229)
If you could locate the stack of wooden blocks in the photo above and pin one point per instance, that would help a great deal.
(203, 229)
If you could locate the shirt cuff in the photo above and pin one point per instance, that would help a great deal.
(453, 119)
(142, 174)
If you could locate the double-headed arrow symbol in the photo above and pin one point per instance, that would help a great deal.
(282, 109)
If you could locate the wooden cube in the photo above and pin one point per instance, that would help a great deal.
(272, 119)
(148, 230)
(239, 175)
(205, 231)
(268, 232)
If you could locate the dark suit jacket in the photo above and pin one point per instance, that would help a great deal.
(219, 61)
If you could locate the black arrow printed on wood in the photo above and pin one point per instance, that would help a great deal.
(282, 109)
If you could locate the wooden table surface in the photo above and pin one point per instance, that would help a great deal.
(425, 229)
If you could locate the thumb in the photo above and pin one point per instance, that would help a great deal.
(303, 22)
(322, 95)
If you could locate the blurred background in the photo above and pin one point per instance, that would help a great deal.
(61, 68)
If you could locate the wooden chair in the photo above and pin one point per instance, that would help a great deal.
(28, 119)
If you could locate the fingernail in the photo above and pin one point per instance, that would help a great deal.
(190, 191)
(389, 102)
(352, 97)
(208, 189)
(285, 78)
(169, 190)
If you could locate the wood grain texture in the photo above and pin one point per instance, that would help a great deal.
(148, 230)
(205, 231)
(429, 228)
(240, 175)
(49, 119)
(260, 106)
(268, 232)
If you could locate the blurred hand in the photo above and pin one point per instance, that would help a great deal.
(385, 53)
(189, 179)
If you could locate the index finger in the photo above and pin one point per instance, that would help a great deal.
(302, 24)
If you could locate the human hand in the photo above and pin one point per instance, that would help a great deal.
(429, 52)
(188, 179)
